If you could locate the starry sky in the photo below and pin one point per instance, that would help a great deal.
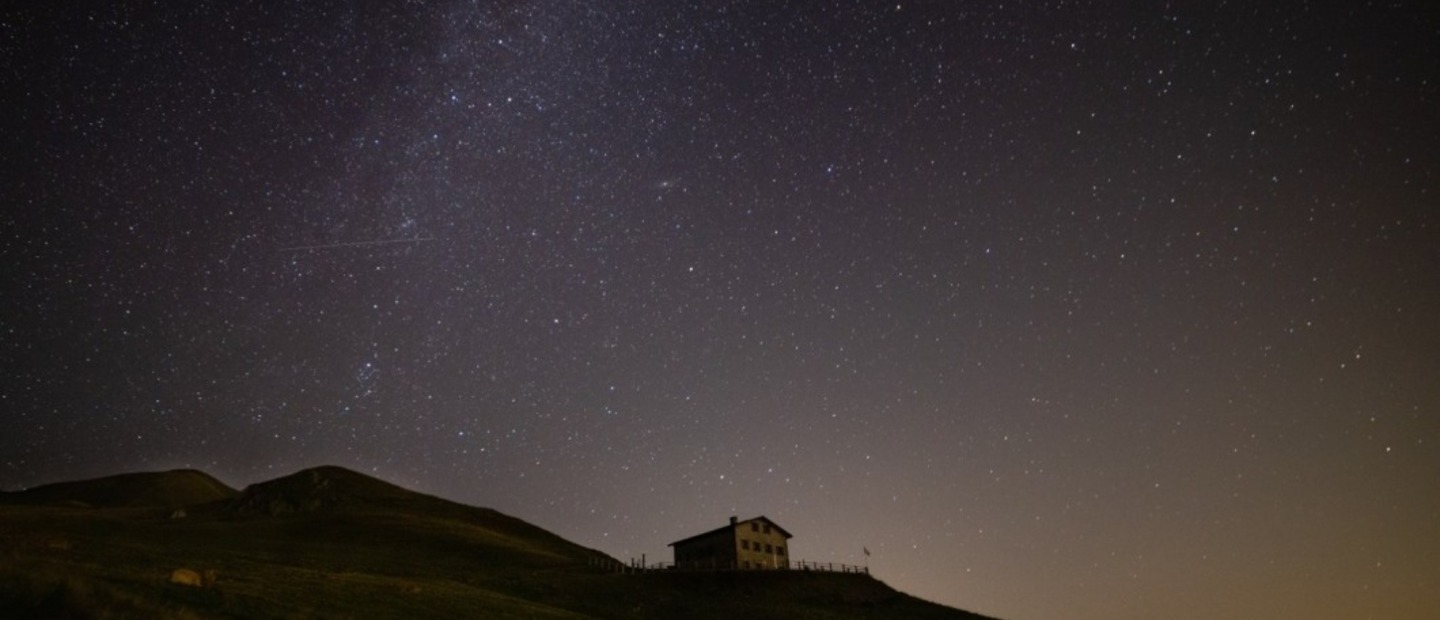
(1062, 309)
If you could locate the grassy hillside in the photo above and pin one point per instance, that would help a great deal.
(329, 543)
(168, 489)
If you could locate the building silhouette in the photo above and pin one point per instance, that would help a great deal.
(752, 544)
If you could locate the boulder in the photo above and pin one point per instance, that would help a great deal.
(194, 579)
(186, 577)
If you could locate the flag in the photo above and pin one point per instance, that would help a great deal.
(867, 551)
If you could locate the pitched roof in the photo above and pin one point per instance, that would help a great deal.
(731, 526)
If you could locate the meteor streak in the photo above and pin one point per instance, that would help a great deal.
(354, 244)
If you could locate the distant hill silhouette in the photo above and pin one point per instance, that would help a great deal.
(166, 489)
(329, 542)
(340, 494)
(326, 487)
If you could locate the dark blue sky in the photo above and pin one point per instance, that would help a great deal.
(1062, 309)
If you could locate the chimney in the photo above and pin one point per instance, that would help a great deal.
(734, 520)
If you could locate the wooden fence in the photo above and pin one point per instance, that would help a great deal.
(640, 566)
(830, 567)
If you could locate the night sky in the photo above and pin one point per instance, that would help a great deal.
(1061, 309)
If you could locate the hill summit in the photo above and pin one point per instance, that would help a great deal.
(323, 487)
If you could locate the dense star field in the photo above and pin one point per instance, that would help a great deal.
(1061, 309)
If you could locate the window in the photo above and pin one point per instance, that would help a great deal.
(754, 527)
(745, 544)
(769, 549)
(780, 551)
(767, 529)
